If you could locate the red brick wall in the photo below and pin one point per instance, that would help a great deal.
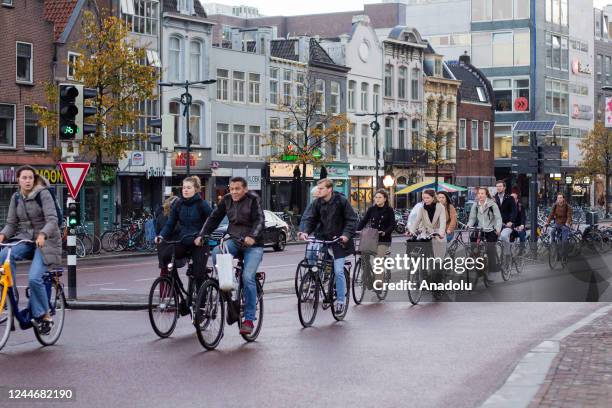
(25, 22)
(480, 162)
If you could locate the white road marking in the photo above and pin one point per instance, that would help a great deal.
(100, 284)
(116, 266)
(111, 289)
(145, 279)
(276, 266)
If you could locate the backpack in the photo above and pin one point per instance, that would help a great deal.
(58, 209)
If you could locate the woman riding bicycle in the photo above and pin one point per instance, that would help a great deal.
(521, 217)
(32, 215)
(381, 217)
(189, 213)
(451, 214)
(430, 219)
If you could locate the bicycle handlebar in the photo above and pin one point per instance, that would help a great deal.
(12, 244)
(322, 241)
(177, 241)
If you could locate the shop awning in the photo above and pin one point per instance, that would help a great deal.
(424, 185)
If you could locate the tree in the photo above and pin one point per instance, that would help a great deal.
(436, 141)
(112, 64)
(596, 149)
(309, 135)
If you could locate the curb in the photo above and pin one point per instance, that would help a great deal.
(530, 372)
(94, 305)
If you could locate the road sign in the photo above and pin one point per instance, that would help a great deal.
(74, 176)
(521, 104)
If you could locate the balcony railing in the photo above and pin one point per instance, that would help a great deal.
(406, 157)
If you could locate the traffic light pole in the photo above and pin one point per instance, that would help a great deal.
(533, 194)
(71, 257)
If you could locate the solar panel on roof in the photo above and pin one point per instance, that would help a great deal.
(534, 126)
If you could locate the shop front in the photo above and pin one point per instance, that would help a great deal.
(338, 173)
(362, 187)
(283, 189)
(141, 180)
(199, 165)
(222, 172)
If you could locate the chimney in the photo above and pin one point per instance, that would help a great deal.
(465, 58)
(304, 49)
(365, 19)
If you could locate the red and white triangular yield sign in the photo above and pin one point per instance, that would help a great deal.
(74, 176)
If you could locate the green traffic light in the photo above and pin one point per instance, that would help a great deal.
(73, 221)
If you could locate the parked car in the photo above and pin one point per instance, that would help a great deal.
(275, 232)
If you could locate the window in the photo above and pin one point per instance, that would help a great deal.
(364, 96)
(222, 84)
(34, 134)
(556, 12)
(365, 140)
(274, 133)
(599, 64)
(507, 91)
(175, 110)
(376, 98)
(486, 136)
(502, 49)
(185, 6)
(388, 80)
(238, 139)
(416, 143)
(487, 10)
(195, 60)
(320, 95)
(401, 82)
(274, 86)
(474, 135)
(481, 10)
(144, 110)
(502, 9)
(254, 140)
(438, 68)
(521, 9)
(414, 87)
(388, 134)
(195, 115)
(175, 59)
(401, 134)
(287, 77)
(351, 95)
(608, 69)
(7, 2)
(522, 48)
(557, 97)
(142, 16)
(450, 111)
(238, 85)
(222, 138)
(24, 62)
(352, 139)
(481, 94)
(481, 49)
(462, 135)
(254, 88)
(557, 52)
(72, 61)
(334, 98)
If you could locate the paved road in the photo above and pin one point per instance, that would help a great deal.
(431, 355)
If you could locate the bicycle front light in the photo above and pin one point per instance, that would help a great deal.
(170, 266)
(315, 268)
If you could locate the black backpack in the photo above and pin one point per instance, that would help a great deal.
(38, 199)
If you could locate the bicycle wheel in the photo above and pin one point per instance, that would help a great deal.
(554, 257)
(300, 271)
(97, 245)
(382, 294)
(163, 306)
(505, 261)
(119, 241)
(347, 296)
(6, 319)
(87, 243)
(209, 315)
(414, 285)
(308, 299)
(259, 312)
(57, 303)
(358, 283)
(106, 240)
(518, 256)
(80, 248)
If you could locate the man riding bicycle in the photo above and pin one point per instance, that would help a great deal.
(562, 214)
(507, 209)
(332, 216)
(246, 222)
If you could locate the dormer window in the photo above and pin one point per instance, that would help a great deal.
(185, 6)
(438, 68)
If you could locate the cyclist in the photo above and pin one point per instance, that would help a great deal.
(189, 213)
(451, 214)
(562, 214)
(162, 215)
(507, 208)
(521, 217)
(332, 216)
(247, 223)
(430, 219)
(33, 215)
(381, 217)
(486, 213)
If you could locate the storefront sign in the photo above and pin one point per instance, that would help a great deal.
(252, 176)
(180, 160)
(569, 179)
(580, 68)
(584, 112)
(155, 172)
(333, 172)
(285, 170)
(138, 159)
(9, 175)
(609, 112)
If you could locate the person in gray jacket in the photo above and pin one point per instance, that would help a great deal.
(34, 218)
(485, 213)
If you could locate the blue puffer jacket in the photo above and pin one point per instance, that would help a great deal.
(191, 214)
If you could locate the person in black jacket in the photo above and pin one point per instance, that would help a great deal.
(521, 216)
(334, 217)
(507, 208)
(381, 217)
(188, 214)
(246, 223)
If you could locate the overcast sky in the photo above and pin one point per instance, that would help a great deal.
(290, 7)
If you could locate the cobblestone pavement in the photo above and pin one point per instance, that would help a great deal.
(581, 374)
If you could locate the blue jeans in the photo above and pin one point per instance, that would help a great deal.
(39, 301)
(340, 282)
(564, 231)
(252, 259)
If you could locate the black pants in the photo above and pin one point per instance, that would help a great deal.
(491, 242)
(198, 254)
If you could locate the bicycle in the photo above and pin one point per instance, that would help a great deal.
(312, 286)
(211, 305)
(358, 283)
(168, 297)
(557, 252)
(478, 250)
(9, 302)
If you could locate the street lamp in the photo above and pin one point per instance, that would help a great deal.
(186, 102)
(375, 126)
(388, 181)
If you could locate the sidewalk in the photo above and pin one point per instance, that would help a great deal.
(581, 373)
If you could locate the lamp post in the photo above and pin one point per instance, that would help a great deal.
(375, 126)
(186, 102)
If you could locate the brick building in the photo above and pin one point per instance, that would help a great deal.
(475, 118)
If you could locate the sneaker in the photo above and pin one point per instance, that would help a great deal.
(339, 308)
(42, 326)
(247, 327)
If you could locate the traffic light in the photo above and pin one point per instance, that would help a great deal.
(166, 138)
(68, 111)
(85, 111)
(74, 215)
